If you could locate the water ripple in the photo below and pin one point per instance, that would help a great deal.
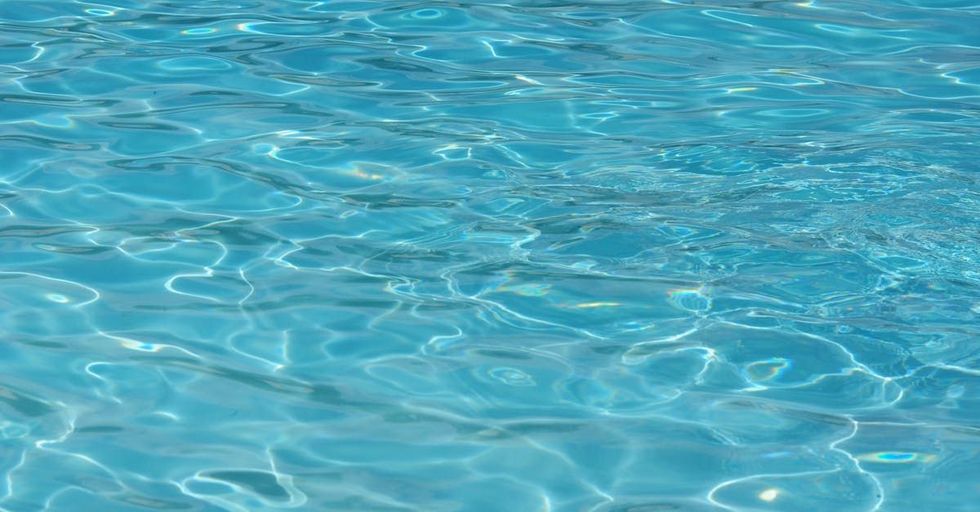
(545, 255)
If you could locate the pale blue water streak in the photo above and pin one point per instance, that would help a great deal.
(463, 256)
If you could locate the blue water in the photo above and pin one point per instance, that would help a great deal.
(535, 256)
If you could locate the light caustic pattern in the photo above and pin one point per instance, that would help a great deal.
(481, 256)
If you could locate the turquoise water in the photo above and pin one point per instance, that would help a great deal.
(461, 256)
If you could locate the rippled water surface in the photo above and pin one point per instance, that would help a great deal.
(473, 256)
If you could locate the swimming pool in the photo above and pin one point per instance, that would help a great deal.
(464, 256)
